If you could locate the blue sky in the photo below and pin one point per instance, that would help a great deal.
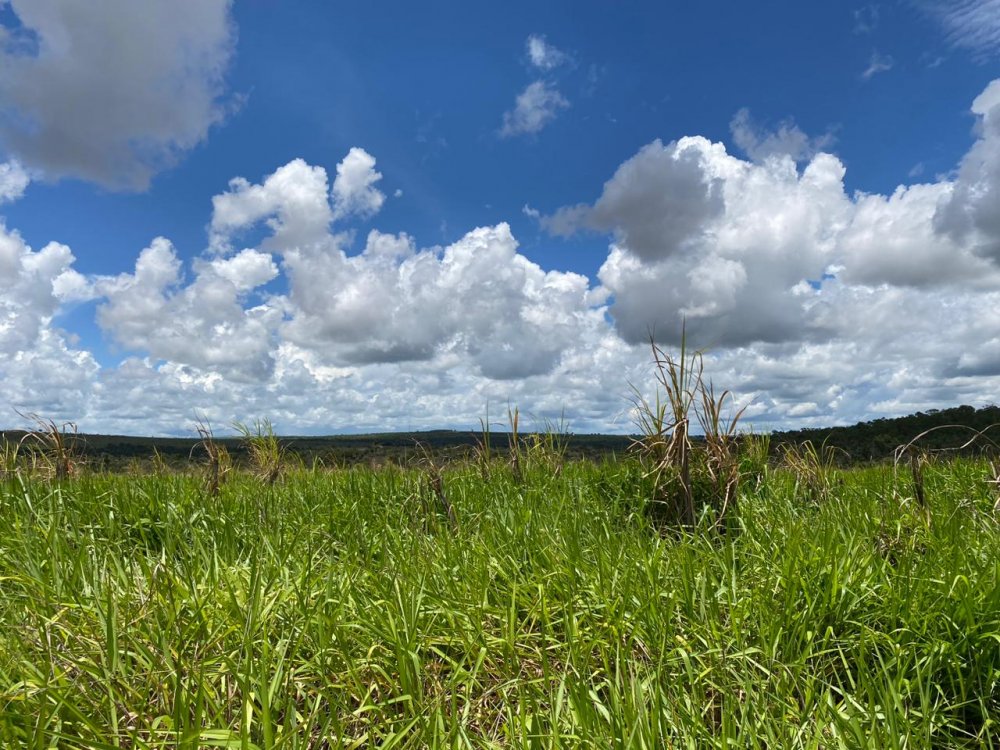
(625, 165)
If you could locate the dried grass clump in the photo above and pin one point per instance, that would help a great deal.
(815, 468)
(688, 479)
(545, 449)
(918, 457)
(267, 454)
(52, 448)
(218, 462)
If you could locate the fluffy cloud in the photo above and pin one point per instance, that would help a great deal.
(819, 305)
(534, 108)
(203, 324)
(478, 299)
(33, 284)
(704, 236)
(293, 200)
(787, 140)
(894, 240)
(354, 191)
(543, 55)
(13, 181)
(657, 202)
(751, 253)
(971, 211)
(112, 92)
(39, 369)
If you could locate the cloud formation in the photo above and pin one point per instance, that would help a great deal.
(788, 140)
(765, 253)
(204, 324)
(543, 55)
(878, 63)
(112, 92)
(821, 305)
(971, 212)
(13, 181)
(971, 24)
(32, 286)
(354, 191)
(534, 108)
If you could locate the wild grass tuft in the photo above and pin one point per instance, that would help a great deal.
(689, 480)
(218, 462)
(51, 447)
(266, 452)
(814, 468)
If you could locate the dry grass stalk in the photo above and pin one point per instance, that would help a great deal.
(218, 460)
(547, 447)
(160, 466)
(814, 468)
(53, 447)
(976, 438)
(484, 446)
(666, 425)
(266, 452)
(917, 460)
(9, 456)
(722, 462)
(515, 444)
(666, 446)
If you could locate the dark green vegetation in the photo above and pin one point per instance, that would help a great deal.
(116, 452)
(863, 442)
(479, 606)
(876, 440)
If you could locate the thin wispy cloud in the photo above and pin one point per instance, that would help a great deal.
(787, 139)
(971, 24)
(541, 101)
(866, 19)
(534, 108)
(879, 64)
(543, 55)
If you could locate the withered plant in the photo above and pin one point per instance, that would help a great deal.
(266, 452)
(52, 447)
(218, 461)
(814, 468)
(687, 477)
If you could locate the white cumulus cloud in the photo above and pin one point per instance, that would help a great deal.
(205, 323)
(293, 200)
(816, 305)
(787, 140)
(114, 91)
(354, 191)
(33, 285)
(971, 211)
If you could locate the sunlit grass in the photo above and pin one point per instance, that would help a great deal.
(545, 612)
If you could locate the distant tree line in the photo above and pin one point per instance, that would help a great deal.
(863, 442)
(876, 440)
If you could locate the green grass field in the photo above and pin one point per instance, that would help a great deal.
(346, 609)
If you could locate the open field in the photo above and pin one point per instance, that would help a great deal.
(355, 608)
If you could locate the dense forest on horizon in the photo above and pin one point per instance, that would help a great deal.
(877, 439)
(863, 442)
